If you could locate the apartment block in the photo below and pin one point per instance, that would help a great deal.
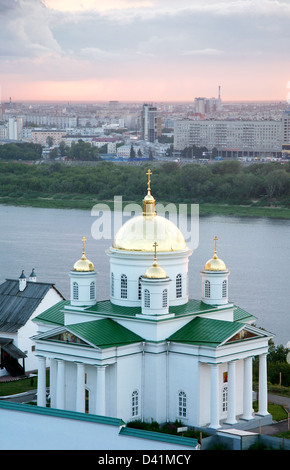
(230, 138)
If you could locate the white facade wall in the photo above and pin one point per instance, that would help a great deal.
(133, 265)
(83, 288)
(23, 338)
(43, 429)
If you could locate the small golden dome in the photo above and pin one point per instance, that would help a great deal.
(215, 263)
(155, 271)
(83, 264)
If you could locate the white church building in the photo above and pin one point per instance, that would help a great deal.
(150, 352)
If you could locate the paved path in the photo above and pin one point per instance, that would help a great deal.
(276, 427)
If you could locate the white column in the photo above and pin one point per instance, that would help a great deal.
(214, 397)
(80, 398)
(248, 389)
(101, 391)
(231, 415)
(263, 394)
(60, 387)
(41, 382)
(53, 375)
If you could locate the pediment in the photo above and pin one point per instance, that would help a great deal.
(64, 335)
(67, 336)
(245, 333)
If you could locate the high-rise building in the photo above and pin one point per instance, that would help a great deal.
(150, 123)
(15, 125)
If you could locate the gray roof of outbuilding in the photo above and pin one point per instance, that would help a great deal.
(17, 307)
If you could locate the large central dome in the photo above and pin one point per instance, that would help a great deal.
(141, 232)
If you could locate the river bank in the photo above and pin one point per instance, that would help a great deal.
(86, 202)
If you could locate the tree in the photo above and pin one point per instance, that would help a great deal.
(132, 152)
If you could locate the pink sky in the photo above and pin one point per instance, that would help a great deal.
(144, 50)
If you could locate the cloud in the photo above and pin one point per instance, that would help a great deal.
(63, 40)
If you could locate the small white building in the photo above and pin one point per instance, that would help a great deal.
(150, 352)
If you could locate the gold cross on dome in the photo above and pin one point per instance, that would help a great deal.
(215, 240)
(149, 173)
(84, 242)
(155, 250)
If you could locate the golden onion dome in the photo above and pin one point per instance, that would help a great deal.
(83, 264)
(215, 263)
(155, 272)
(140, 232)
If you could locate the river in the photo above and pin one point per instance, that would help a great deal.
(256, 251)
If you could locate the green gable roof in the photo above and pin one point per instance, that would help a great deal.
(54, 315)
(104, 333)
(205, 331)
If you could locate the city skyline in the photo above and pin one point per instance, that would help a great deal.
(144, 50)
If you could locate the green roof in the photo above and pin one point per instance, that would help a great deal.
(241, 315)
(54, 315)
(191, 307)
(205, 331)
(104, 333)
(159, 436)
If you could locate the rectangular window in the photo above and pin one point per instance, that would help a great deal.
(123, 286)
(178, 286)
(135, 403)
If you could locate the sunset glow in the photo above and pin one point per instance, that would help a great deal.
(144, 50)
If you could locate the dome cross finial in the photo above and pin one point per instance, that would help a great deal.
(84, 244)
(215, 240)
(155, 244)
(149, 173)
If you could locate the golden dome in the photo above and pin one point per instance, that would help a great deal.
(140, 232)
(215, 263)
(83, 264)
(155, 272)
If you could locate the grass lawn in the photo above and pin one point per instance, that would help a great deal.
(19, 386)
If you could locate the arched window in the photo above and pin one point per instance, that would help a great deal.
(92, 290)
(123, 286)
(146, 298)
(178, 286)
(207, 289)
(224, 289)
(112, 285)
(135, 403)
(164, 298)
(182, 404)
(139, 288)
(75, 291)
